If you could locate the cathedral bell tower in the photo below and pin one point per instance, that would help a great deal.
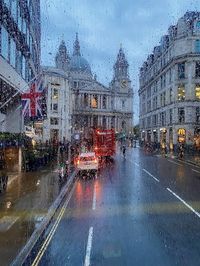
(62, 58)
(121, 81)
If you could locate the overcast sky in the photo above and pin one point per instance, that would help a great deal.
(104, 24)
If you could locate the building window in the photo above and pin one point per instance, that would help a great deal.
(197, 91)
(94, 101)
(23, 67)
(164, 98)
(154, 120)
(12, 52)
(170, 75)
(104, 102)
(181, 93)
(170, 116)
(4, 43)
(181, 70)
(75, 84)
(197, 46)
(55, 107)
(19, 61)
(161, 99)
(170, 95)
(104, 122)
(181, 115)
(163, 119)
(113, 122)
(197, 114)
(55, 93)
(7, 2)
(123, 103)
(85, 100)
(197, 69)
(14, 9)
(54, 121)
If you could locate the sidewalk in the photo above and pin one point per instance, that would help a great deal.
(193, 159)
(23, 206)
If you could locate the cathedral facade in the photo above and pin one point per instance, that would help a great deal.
(93, 104)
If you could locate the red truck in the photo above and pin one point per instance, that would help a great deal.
(104, 142)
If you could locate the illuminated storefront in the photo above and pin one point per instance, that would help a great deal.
(181, 135)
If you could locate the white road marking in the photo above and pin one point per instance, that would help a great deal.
(137, 164)
(195, 171)
(151, 175)
(7, 222)
(184, 202)
(188, 163)
(89, 247)
(52, 232)
(94, 199)
(174, 162)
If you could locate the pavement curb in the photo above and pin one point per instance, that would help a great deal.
(183, 160)
(24, 256)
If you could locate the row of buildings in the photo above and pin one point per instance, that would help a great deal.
(76, 101)
(169, 93)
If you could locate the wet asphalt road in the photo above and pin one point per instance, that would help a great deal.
(142, 210)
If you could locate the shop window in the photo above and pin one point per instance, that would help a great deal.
(54, 121)
(181, 93)
(181, 115)
(181, 70)
(197, 91)
(197, 114)
(197, 69)
(94, 101)
(197, 46)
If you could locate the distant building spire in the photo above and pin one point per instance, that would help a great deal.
(76, 46)
(121, 65)
(62, 58)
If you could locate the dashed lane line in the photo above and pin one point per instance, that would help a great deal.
(151, 175)
(184, 202)
(174, 162)
(195, 171)
(137, 164)
(89, 247)
(94, 199)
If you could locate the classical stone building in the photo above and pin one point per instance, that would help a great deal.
(93, 104)
(57, 126)
(169, 90)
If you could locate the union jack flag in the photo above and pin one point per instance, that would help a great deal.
(33, 104)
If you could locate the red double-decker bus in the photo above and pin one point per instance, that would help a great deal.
(104, 142)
